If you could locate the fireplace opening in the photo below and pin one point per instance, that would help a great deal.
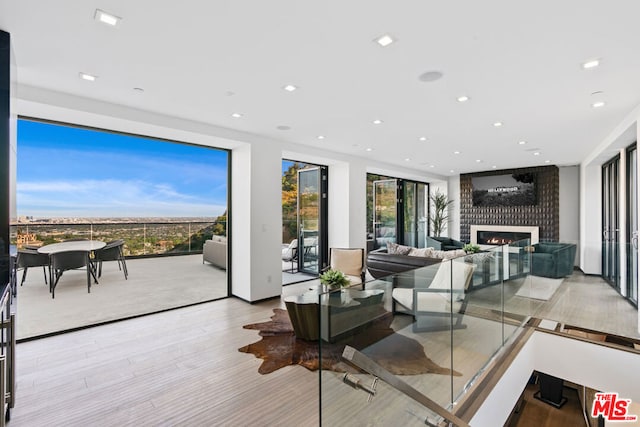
(500, 237)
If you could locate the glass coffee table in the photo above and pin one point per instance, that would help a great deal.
(331, 315)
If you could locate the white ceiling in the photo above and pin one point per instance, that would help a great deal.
(518, 61)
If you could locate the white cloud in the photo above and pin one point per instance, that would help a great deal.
(111, 198)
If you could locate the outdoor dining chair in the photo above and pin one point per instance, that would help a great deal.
(113, 251)
(70, 260)
(31, 258)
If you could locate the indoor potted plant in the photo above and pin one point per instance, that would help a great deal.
(334, 279)
(470, 248)
(441, 205)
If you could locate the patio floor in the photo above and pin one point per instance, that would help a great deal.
(154, 284)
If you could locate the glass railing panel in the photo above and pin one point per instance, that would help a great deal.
(435, 329)
(413, 345)
(23, 235)
(141, 238)
(482, 328)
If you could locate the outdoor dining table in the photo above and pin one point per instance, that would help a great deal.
(87, 246)
(72, 245)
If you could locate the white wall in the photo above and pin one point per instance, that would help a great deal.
(583, 363)
(348, 204)
(256, 176)
(570, 206)
(590, 219)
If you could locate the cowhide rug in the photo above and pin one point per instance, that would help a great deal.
(397, 353)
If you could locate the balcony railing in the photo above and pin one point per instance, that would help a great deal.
(141, 238)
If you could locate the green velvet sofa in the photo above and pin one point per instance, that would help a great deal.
(553, 260)
(444, 243)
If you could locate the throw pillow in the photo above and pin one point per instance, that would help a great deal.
(423, 252)
(436, 253)
(396, 249)
(453, 254)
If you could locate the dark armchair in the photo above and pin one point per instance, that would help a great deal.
(553, 259)
(444, 243)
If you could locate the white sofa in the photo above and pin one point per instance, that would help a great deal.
(214, 251)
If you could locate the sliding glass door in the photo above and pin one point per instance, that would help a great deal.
(400, 212)
(385, 211)
(416, 204)
(632, 223)
(312, 215)
(611, 223)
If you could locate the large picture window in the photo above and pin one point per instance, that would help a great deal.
(165, 201)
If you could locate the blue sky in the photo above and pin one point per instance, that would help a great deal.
(71, 172)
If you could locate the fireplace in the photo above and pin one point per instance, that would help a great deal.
(502, 234)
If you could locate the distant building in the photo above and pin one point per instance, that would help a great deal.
(25, 238)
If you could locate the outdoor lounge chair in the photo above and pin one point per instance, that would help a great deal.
(290, 253)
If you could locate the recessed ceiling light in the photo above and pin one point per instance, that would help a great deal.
(547, 161)
(422, 138)
(432, 166)
(463, 98)
(385, 40)
(377, 122)
(88, 77)
(451, 170)
(598, 104)
(497, 124)
(369, 149)
(236, 115)
(494, 167)
(407, 159)
(456, 152)
(478, 161)
(591, 64)
(320, 136)
(522, 142)
(536, 153)
(106, 18)
(430, 76)
(290, 88)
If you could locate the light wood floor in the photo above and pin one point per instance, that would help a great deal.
(175, 368)
(183, 368)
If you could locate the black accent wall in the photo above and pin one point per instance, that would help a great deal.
(5, 151)
(545, 214)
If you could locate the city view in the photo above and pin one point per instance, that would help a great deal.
(142, 236)
(75, 183)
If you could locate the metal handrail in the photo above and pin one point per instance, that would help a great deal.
(366, 364)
